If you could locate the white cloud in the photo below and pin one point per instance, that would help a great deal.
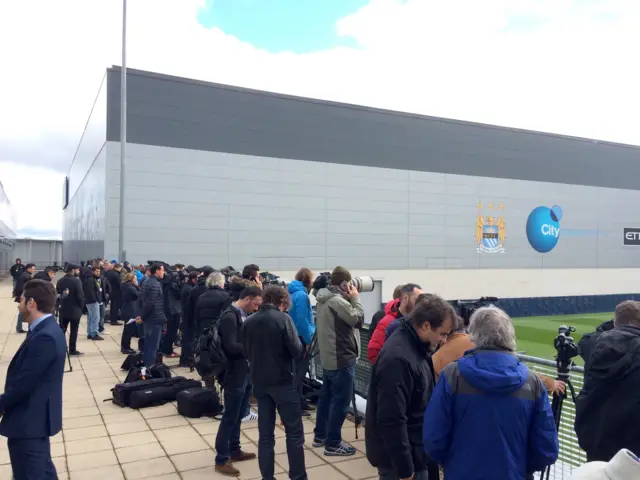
(565, 66)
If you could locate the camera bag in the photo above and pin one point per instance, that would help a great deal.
(199, 402)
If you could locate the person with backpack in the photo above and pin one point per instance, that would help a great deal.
(235, 381)
(270, 342)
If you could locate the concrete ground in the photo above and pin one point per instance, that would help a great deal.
(100, 440)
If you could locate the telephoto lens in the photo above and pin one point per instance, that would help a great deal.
(363, 284)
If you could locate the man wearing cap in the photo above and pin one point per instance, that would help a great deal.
(339, 317)
(71, 304)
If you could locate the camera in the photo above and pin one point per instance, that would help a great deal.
(566, 348)
(362, 284)
(466, 308)
(269, 278)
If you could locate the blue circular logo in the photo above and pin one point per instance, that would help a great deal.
(543, 228)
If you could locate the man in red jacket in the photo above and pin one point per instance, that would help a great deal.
(408, 296)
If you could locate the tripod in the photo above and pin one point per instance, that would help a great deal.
(564, 368)
(57, 314)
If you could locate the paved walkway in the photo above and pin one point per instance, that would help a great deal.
(103, 441)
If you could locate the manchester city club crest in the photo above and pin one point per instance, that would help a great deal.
(490, 229)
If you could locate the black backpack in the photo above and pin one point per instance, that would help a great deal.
(210, 359)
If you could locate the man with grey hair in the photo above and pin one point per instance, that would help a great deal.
(489, 416)
(608, 406)
(211, 303)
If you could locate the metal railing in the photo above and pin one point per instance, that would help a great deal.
(571, 456)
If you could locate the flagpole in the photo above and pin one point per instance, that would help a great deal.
(123, 131)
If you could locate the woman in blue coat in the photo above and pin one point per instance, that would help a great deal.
(300, 310)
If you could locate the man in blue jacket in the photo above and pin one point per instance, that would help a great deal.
(489, 417)
(152, 313)
(301, 313)
(31, 405)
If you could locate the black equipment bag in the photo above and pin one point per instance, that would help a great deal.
(159, 370)
(122, 392)
(210, 359)
(152, 396)
(135, 360)
(199, 402)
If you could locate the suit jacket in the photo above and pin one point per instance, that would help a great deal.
(71, 306)
(32, 400)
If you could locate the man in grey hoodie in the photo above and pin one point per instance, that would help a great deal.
(339, 318)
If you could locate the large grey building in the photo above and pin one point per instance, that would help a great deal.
(7, 232)
(223, 175)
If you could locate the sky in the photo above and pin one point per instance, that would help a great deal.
(560, 66)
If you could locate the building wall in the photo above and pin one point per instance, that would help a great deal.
(42, 253)
(220, 209)
(7, 232)
(84, 217)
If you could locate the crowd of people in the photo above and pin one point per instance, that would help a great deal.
(446, 394)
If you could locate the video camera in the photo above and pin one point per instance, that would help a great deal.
(466, 308)
(269, 278)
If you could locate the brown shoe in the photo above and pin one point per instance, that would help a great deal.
(228, 470)
(241, 456)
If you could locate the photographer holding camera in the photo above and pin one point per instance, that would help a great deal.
(608, 406)
(71, 304)
(339, 318)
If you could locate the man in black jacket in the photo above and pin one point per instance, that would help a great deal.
(93, 299)
(211, 303)
(171, 289)
(402, 381)
(188, 333)
(114, 279)
(237, 388)
(270, 343)
(152, 314)
(71, 303)
(48, 274)
(608, 406)
(16, 271)
(17, 291)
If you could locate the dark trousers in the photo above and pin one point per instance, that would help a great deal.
(152, 335)
(173, 322)
(236, 407)
(73, 335)
(188, 339)
(114, 312)
(31, 459)
(302, 368)
(287, 400)
(128, 332)
(19, 323)
(390, 474)
(333, 404)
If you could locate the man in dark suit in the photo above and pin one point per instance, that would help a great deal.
(31, 405)
(71, 304)
(17, 291)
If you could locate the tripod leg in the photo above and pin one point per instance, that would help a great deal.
(356, 414)
(69, 359)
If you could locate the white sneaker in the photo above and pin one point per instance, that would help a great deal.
(104, 332)
(251, 417)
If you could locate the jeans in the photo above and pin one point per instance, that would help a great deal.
(236, 407)
(93, 319)
(152, 336)
(390, 474)
(173, 322)
(287, 400)
(19, 323)
(101, 321)
(333, 404)
(73, 336)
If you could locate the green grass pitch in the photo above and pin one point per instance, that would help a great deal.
(534, 335)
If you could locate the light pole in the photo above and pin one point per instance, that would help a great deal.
(123, 130)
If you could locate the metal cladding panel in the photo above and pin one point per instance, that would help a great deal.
(83, 232)
(198, 207)
(176, 112)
